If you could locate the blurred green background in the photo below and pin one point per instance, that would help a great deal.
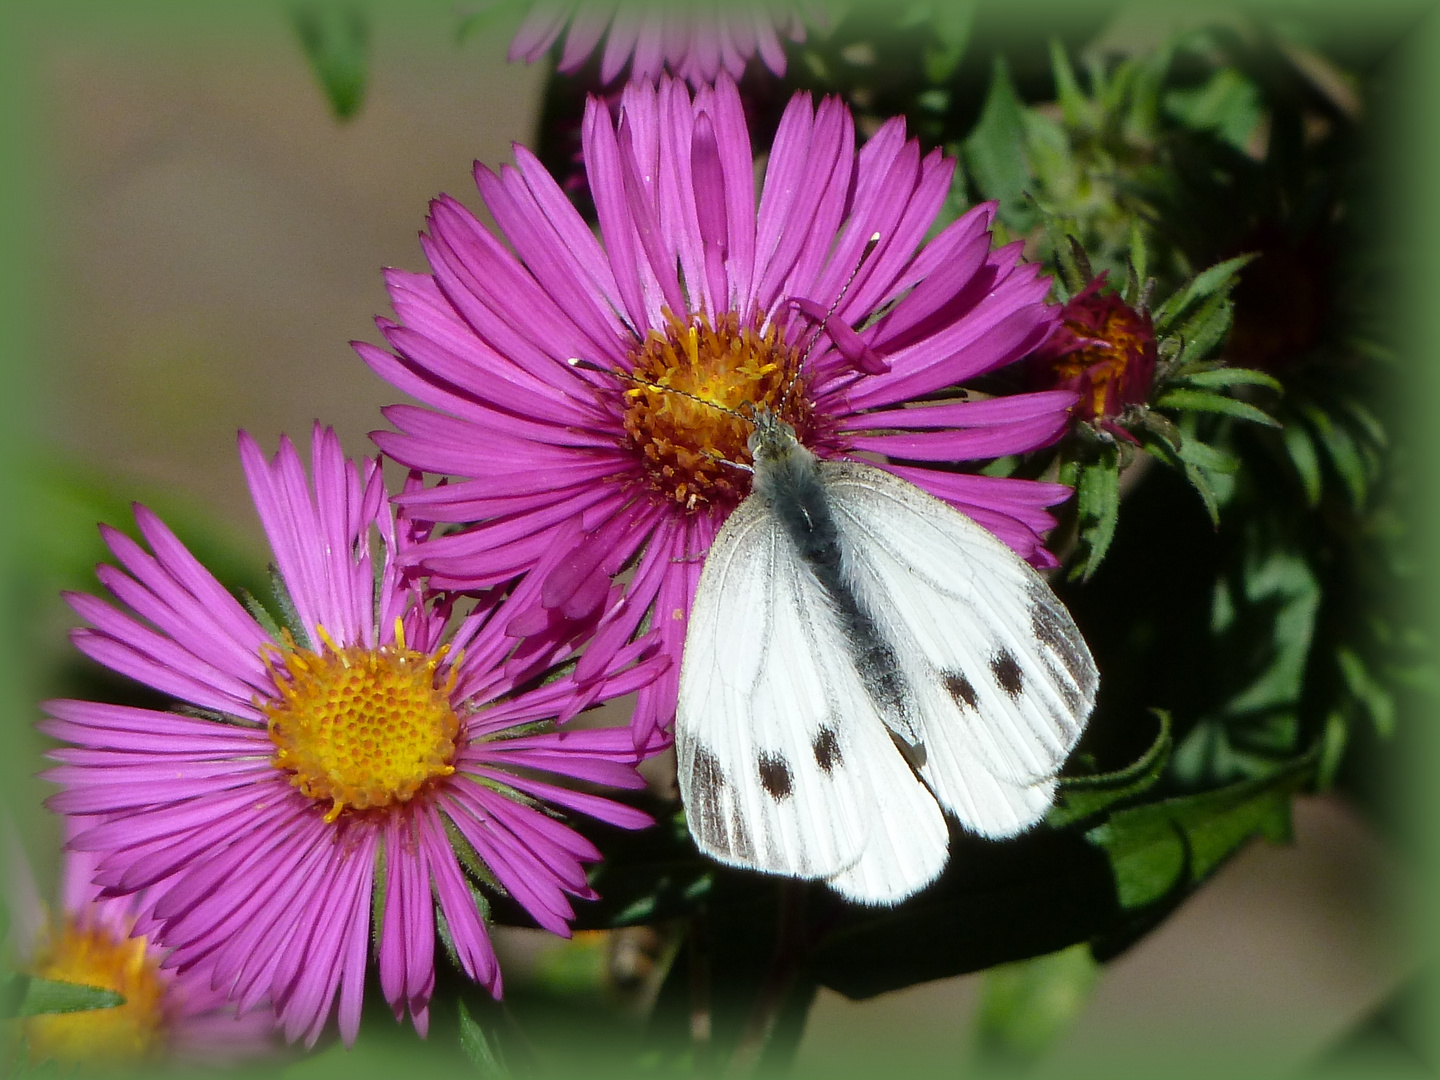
(192, 239)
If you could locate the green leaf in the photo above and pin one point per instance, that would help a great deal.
(46, 996)
(1159, 846)
(994, 151)
(336, 40)
(1230, 376)
(1074, 106)
(1204, 401)
(1205, 284)
(480, 1048)
(949, 38)
(1228, 104)
(1080, 797)
(1344, 455)
(1376, 699)
(1098, 504)
(1203, 330)
(1027, 1005)
(1332, 750)
(1307, 463)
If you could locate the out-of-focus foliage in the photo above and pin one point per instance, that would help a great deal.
(1236, 552)
(336, 41)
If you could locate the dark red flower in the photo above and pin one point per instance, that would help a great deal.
(1104, 350)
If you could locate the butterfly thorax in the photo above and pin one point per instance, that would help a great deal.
(790, 477)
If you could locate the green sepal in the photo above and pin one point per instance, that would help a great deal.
(470, 859)
(1080, 797)
(288, 612)
(261, 614)
(378, 884)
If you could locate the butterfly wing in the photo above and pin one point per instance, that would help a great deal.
(1002, 680)
(784, 765)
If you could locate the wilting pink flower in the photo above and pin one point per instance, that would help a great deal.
(1104, 350)
(366, 755)
(696, 41)
(165, 1016)
(825, 306)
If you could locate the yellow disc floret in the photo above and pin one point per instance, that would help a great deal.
(696, 384)
(123, 1035)
(362, 727)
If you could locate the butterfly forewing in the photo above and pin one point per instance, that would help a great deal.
(1002, 680)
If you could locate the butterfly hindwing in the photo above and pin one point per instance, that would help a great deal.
(1001, 679)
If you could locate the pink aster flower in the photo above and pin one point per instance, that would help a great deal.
(695, 40)
(366, 755)
(165, 1016)
(693, 296)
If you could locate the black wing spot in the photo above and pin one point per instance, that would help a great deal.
(775, 775)
(827, 751)
(1007, 673)
(959, 688)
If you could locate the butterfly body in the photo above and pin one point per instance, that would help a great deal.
(860, 658)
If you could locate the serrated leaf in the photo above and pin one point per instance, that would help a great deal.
(46, 997)
(1231, 376)
(1157, 847)
(1208, 282)
(1203, 401)
(1203, 330)
(994, 151)
(1214, 461)
(1097, 496)
(336, 40)
(480, 1048)
(1080, 797)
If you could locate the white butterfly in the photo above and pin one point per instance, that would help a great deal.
(860, 657)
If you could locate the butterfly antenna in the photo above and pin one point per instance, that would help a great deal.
(819, 326)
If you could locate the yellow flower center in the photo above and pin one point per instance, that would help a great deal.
(362, 728)
(697, 384)
(123, 1035)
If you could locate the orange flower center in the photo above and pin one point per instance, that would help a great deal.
(362, 728)
(125, 1034)
(1103, 366)
(697, 385)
